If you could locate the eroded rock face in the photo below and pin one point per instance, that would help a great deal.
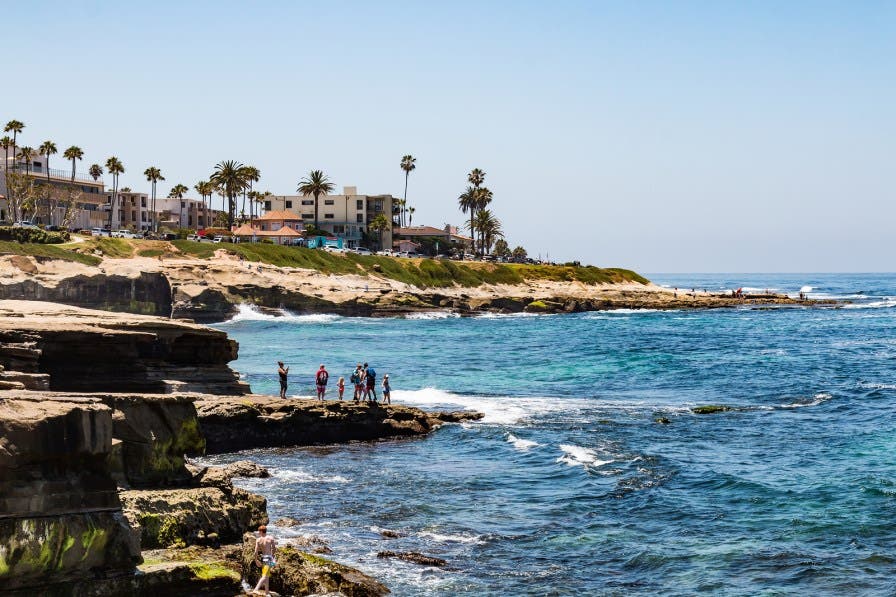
(85, 350)
(231, 424)
(60, 516)
(147, 293)
(299, 573)
(193, 516)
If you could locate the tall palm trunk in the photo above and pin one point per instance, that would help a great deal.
(407, 173)
(316, 225)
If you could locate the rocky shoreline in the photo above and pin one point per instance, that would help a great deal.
(213, 290)
(97, 496)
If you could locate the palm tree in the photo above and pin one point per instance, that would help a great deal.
(411, 211)
(261, 197)
(95, 171)
(115, 168)
(379, 224)
(476, 177)
(177, 192)
(253, 175)
(483, 198)
(25, 155)
(489, 229)
(317, 184)
(153, 175)
(467, 202)
(230, 177)
(6, 143)
(407, 164)
(205, 189)
(15, 127)
(48, 148)
(73, 153)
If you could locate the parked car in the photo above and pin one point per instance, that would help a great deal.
(491, 258)
(194, 237)
(469, 257)
(386, 252)
(100, 232)
(25, 224)
(363, 251)
(334, 249)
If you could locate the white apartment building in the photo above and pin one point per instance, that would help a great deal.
(346, 216)
(89, 204)
(184, 213)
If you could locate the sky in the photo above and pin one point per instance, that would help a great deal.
(659, 136)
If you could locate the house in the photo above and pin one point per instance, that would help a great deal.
(277, 219)
(346, 216)
(282, 236)
(434, 240)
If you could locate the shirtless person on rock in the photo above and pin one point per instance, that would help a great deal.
(264, 557)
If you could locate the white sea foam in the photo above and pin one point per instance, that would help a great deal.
(886, 303)
(523, 445)
(816, 400)
(432, 315)
(447, 538)
(579, 456)
(252, 313)
(511, 315)
(500, 410)
(300, 476)
(806, 289)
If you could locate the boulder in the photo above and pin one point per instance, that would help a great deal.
(413, 557)
(298, 573)
(193, 516)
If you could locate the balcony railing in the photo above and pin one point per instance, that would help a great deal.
(55, 173)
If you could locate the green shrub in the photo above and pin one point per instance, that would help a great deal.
(33, 235)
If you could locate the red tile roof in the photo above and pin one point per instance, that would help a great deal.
(283, 214)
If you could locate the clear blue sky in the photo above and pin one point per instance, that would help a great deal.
(662, 136)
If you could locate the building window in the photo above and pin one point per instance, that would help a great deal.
(338, 229)
(378, 205)
(307, 216)
(360, 218)
(328, 202)
(37, 165)
(359, 205)
(142, 202)
(328, 216)
(307, 201)
(267, 206)
(288, 204)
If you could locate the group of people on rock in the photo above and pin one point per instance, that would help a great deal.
(362, 381)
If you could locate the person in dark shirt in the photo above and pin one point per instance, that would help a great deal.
(282, 372)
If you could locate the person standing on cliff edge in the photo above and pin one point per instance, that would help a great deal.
(321, 380)
(282, 372)
(264, 557)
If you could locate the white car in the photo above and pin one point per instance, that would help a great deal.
(194, 237)
(100, 232)
(25, 224)
(334, 249)
(363, 251)
(386, 252)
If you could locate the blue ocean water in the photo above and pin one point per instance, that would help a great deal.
(570, 486)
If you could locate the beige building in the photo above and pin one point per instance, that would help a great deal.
(345, 216)
(184, 213)
(89, 204)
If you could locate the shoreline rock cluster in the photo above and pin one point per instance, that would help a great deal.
(97, 496)
(210, 291)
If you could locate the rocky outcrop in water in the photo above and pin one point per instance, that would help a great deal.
(232, 424)
(299, 573)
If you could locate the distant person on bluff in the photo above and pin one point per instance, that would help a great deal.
(321, 380)
(387, 390)
(370, 379)
(282, 372)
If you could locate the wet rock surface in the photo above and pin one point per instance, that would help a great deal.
(232, 424)
(299, 573)
(413, 557)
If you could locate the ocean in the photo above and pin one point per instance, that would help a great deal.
(570, 485)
